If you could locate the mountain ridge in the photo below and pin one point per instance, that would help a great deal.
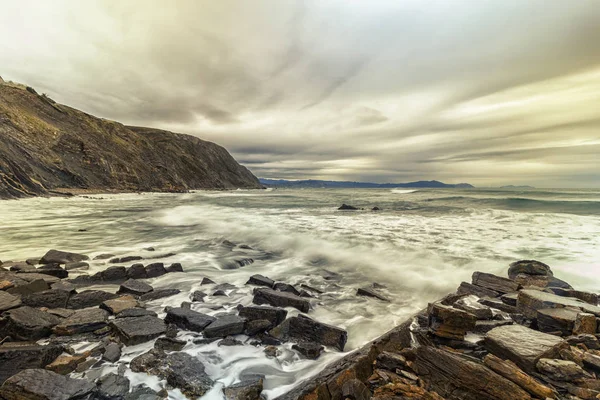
(313, 183)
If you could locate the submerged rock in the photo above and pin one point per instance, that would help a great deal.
(40, 384)
(305, 329)
(347, 207)
(286, 287)
(312, 351)
(136, 330)
(175, 267)
(188, 319)
(62, 257)
(198, 296)
(280, 299)
(369, 292)
(226, 325)
(125, 259)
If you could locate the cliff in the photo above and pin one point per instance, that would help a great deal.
(46, 146)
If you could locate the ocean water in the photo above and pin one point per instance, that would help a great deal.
(420, 246)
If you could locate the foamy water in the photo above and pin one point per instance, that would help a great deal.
(420, 246)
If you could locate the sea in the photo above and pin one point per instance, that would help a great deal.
(417, 247)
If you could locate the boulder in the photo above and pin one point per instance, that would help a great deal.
(274, 315)
(27, 323)
(119, 304)
(448, 322)
(561, 370)
(175, 267)
(309, 350)
(8, 301)
(53, 298)
(82, 321)
(155, 269)
(556, 320)
(53, 270)
(470, 289)
(137, 271)
(62, 257)
(280, 299)
(225, 326)
(125, 259)
(112, 353)
(198, 296)
(188, 319)
(114, 274)
(135, 312)
(18, 356)
(286, 287)
(40, 384)
(112, 387)
(89, 298)
(134, 287)
(529, 267)
(510, 371)
(249, 389)
(260, 280)
(522, 345)
(169, 344)
(494, 282)
(370, 292)
(159, 294)
(77, 265)
(305, 329)
(347, 207)
(136, 330)
(529, 301)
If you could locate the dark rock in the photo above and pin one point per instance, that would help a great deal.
(169, 344)
(112, 387)
(159, 294)
(347, 207)
(591, 361)
(486, 326)
(246, 390)
(198, 296)
(188, 319)
(274, 315)
(112, 353)
(260, 280)
(448, 322)
(125, 259)
(135, 312)
(103, 256)
(285, 287)
(355, 390)
(312, 351)
(60, 312)
(230, 341)
(280, 299)
(497, 304)
(142, 392)
(529, 301)
(468, 288)
(175, 267)
(64, 285)
(370, 293)
(53, 270)
(171, 331)
(541, 281)
(591, 298)
(89, 298)
(33, 286)
(556, 319)
(219, 293)
(149, 249)
(495, 283)
(27, 323)
(375, 209)
(40, 384)
(62, 257)
(561, 370)
(391, 361)
(17, 356)
(155, 269)
(207, 281)
(30, 261)
(305, 329)
(235, 263)
(77, 265)
(88, 320)
(589, 341)
(304, 293)
(52, 298)
(311, 289)
(135, 287)
(257, 326)
(8, 301)
(137, 271)
(529, 267)
(114, 274)
(225, 326)
(136, 330)
(510, 299)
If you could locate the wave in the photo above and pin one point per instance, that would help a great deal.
(403, 191)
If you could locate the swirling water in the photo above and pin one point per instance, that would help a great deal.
(420, 245)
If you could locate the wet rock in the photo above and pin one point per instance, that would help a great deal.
(104, 256)
(591, 298)
(470, 289)
(312, 351)
(8, 301)
(311, 289)
(257, 326)
(305, 329)
(53, 298)
(138, 330)
(169, 344)
(585, 323)
(88, 320)
(27, 323)
(448, 322)
(40, 384)
(112, 387)
(591, 361)
(510, 299)
(198, 296)
(155, 269)
(65, 364)
(172, 331)
(114, 274)
(119, 304)
(230, 341)
(125, 259)
(89, 298)
(391, 361)
(556, 319)
(235, 263)
(112, 353)
(53, 270)
(135, 312)
(188, 319)
(529, 301)
(589, 341)
(137, 271)
(271, 351)
(486, 326)
(355, 390)
(18, 356)
(134, 287)
(274, 315)
(260, 280)
(225, 326)
(285, 287)
(510, 371)
(280, 299)
(561, 370)
(368, 292)
(62, 257)
(142, 392)
(497, 304)
(522, 345)
(495, 283)
(159, 294)
(77, 265)
(472, 306)
(175, 267)
(347, 207)
(207, 281)
(529, 267)
(219, 293)
(246, 390)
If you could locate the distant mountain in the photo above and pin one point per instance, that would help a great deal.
(310, 183)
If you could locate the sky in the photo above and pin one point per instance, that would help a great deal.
(489, 92)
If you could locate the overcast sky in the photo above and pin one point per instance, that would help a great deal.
(480, 91)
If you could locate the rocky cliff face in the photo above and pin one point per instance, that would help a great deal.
(46, 146)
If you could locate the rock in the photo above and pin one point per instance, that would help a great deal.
(589, 341)
(448, 322)
(65, 364)
(246, 390)
(219, 293)
(391, 361)
(356, 390)
(89, 298)
(271, 351)
(112, 353)
(33, 286)
(18, 356)
(159, 294)
(305, 329)
(486, 326)
(30, 261)
(235, 263)
(522, 345)
(119, 304)
(64, 285)
(175, 267)
(112, 387)
(8, 301)
(591, 298)
(142, 392)
(198, 296)
(510, 371)
(285, 287)
(27, 323)
(510, 299)
(274, 315)
(135, 312)
(77, 265)
(311, 289)
(280, 299)
(497, 304)
(585, 323)
(470, 289)
(155, 269)
(541, 281)
(260, 280)
(375, 209)
(62, 257)
(104, 256)
(4, 285)
(134, 287)
(556, 319)
(312, 351)
(114, 274)
(529, 301)
(347, 207)
(88, 320)
(53, 270)
(181, 371)
(21, 266)
(125, 259)
(472, 306)
(257, 326)
(591, 361)
(40, 384)
(188, 319)
(561, 370)
(53, 298)
(495, 283)
(136, 330)
(368, 292)
(169, 344)
(207, 281)
(529, 267)
(225, 326)
(137, 271)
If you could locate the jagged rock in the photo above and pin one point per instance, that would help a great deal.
(391, 361)
(188, 319)
(112, 353)
(62, 257)
(53, 298)
(207, 281)
(53, 270)
(309, 350)
(250, 389)
(286, 287)
(561, 370)
(125, 259)
(155, 269)
(27, 323)
(119, 304)
(472, 306)
(135, 287)
(280, 299)
(112, 387)
(65, 364)
(591, 298)
(219, 293)
(347, 207)
(89, 298)
(104, 256)
(274, 315)
(135, 312)
(257, 326)
(260, 280)
(529, 301)
(495, 283)
(40, 384)
(136, 330)
(169, 344)
(368, 292)
(305, 329)
(225, 326)
(77, 265)
(356, 390)
(175, 267)
(159, 294)
(522, 345)
(448, 322)
(17, 356)
(88, 320)
(529, 267)
(497, 304)
(585, 323)
(137, 271)
(468, 289)
(198, 296)
(513, 373)
(8, 301)
(113, 274)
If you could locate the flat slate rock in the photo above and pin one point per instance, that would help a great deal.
(52, 270)
(494, 282)
(17, 356)
(82, 321)
(27, 323)
(115, 306)
(62, 257)
(135, 312)
(53, 298)
(136, 330)
(40, 384)
(280, 299)
(469, 288)
(529, 301)
(89, 298)
(305, 329)
(188, 319)
(449, 322)
(272, 314)
(225, 326)
(112, 387)
(169, 344)
(556, 320)
(369, 292)
(8, 301)
(522, 345)
(135, 287)
(159, 294)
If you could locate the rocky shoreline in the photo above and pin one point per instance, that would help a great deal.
(528, 335)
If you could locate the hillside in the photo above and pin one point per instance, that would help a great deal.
(46, 146)
(311, 183)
